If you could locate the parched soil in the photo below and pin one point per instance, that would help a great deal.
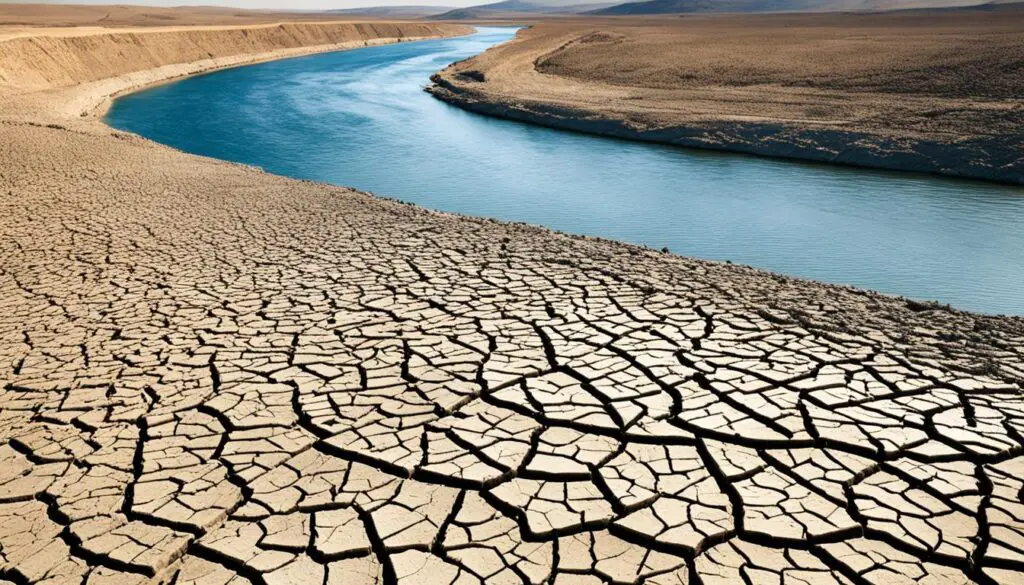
(963, 55)
(934, 91)
(214, 376)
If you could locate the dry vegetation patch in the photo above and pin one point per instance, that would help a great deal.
(968, 56)
(937, 91)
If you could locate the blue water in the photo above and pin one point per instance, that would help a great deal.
(360, 118)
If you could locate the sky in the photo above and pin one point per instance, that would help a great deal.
(278, 4)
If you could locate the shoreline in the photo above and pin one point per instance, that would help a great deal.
(102, 104)
(576, 77)
(98, 97)
(775, 141)
(91, 99)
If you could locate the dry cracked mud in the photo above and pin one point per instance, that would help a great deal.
(215, 376)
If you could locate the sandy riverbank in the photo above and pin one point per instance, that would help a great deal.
(930, 92)
(210, 375)
(68, 72)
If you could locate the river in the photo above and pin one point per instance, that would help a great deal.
(360, 118)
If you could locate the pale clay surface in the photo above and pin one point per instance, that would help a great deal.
(214, 376)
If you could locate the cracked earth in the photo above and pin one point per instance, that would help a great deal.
(214, 376)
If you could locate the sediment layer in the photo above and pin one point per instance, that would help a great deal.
(214, 376)
(54, 61)
(678, 86)
(996, 159)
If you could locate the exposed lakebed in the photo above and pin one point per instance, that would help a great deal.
(360, 118)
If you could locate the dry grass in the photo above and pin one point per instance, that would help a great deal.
(957, 54)
(938, 75)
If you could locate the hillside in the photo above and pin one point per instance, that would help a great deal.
(126, 15)
(511, 8)
(707, 6)
(409, 11)
(63, 57)
(932, 91)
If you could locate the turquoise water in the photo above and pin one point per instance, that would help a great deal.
(360, 118)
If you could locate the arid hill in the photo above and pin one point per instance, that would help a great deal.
(935, 91)
(707, 6)
(510, 9)
(128, 15)
(52, 58)
(513, 9)
(407, 11)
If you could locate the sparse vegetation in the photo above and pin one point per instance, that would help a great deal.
(953, 55)
(935, 91)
